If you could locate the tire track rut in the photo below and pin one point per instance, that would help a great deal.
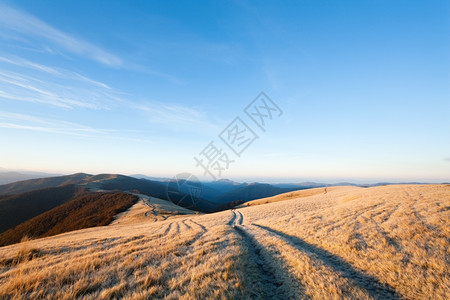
(233, 218)
(265, 284)
(261, 276)
(240, 218)
(186, 225)
(199, 225)
(420, 218)
(168, 229)
(203, 230)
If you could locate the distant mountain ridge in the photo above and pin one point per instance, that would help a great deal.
(252, 191)
(41, 183)
(52, 205)
(108, 182)
(7, 176)
(213, 193)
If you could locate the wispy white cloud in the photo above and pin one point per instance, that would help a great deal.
(19, 121)
(27, 81)
(175, 115)
(26, 24)
(26, 63)
(19, 61)
(28, 122)
(171, 113)
(94, 82)
(447, 159)
(38, 83)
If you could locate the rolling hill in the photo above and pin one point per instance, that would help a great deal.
(386, 242)
(291, 195)
(150, 209)
(104, 182)
(40, 207)
(41, 183)
(19, 208)
(7, 176)
(215, 196)
(86, 209)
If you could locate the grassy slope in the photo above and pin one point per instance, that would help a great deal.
(84, 210)
(295, 195)
(351, 243)
(149, 209)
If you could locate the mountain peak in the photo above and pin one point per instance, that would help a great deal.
(227, 181)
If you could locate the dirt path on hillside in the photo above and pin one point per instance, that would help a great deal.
(262, 275)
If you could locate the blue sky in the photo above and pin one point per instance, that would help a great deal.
(143, 87)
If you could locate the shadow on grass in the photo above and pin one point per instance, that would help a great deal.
(371, 284)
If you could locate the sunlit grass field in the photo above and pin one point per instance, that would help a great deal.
(387, 242)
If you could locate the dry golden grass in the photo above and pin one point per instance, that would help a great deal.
(351, 243)
(294, 195)
(149, 209)
(394, 235)
(132, 262)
